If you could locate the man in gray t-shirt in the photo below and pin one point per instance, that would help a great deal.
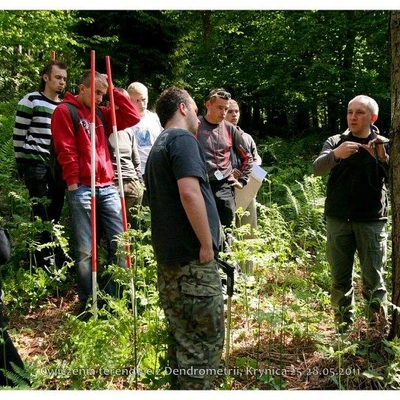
(132, 179)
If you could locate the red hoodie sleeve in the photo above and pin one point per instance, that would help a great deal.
(126, 113)
(62, 129)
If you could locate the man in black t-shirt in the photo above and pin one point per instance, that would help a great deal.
(185, 236)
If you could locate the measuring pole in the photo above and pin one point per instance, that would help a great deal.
(93, 178)
(120, 180)
(117, 156)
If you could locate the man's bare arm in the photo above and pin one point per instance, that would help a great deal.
(195, 208)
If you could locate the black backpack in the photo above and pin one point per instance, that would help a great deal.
(55, 167)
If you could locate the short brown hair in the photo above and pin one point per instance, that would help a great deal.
(168, 103)
(100, 78)
(47, 69)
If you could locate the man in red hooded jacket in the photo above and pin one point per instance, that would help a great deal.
(73, 149)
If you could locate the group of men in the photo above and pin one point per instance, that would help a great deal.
(189, 179)
(42, 117)
(191, 170)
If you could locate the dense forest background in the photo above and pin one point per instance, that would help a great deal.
(293, 72)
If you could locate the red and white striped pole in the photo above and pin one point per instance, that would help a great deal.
(118, 159)
(120, 182)
(93, 178)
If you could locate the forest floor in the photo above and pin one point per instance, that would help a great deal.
(34, 333)
(279, 361)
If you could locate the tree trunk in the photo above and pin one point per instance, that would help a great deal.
(395, 166)
(333, 113)
(256, 118)
(207, 25)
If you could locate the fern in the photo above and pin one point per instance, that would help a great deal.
(20, 377)
(292, 202)
(7, 158)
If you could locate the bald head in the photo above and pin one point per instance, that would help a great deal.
(371, 104)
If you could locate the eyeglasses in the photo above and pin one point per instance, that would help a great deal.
(222, 94)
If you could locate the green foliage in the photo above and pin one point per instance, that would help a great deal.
(293, 73)
(18, 377)
(118, 346)
(28, 37)
(138, 43)
(26, 290)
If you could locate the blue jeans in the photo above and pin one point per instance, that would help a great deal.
(369, 239)
(108, 208)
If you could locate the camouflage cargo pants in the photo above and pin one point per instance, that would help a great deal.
(191, 296)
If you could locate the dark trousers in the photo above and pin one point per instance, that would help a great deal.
(225, 199)
(8, 355)
(369, 239)
(8, 352)
(41, 185)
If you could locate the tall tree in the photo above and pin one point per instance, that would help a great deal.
(138, 42)
(292, 71)
(27, 39)
(395, 166)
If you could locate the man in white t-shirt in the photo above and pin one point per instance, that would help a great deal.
(149, 127)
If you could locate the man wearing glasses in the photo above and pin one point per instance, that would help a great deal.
(218, 137)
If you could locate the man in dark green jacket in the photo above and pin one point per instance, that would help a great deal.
(356, 210)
